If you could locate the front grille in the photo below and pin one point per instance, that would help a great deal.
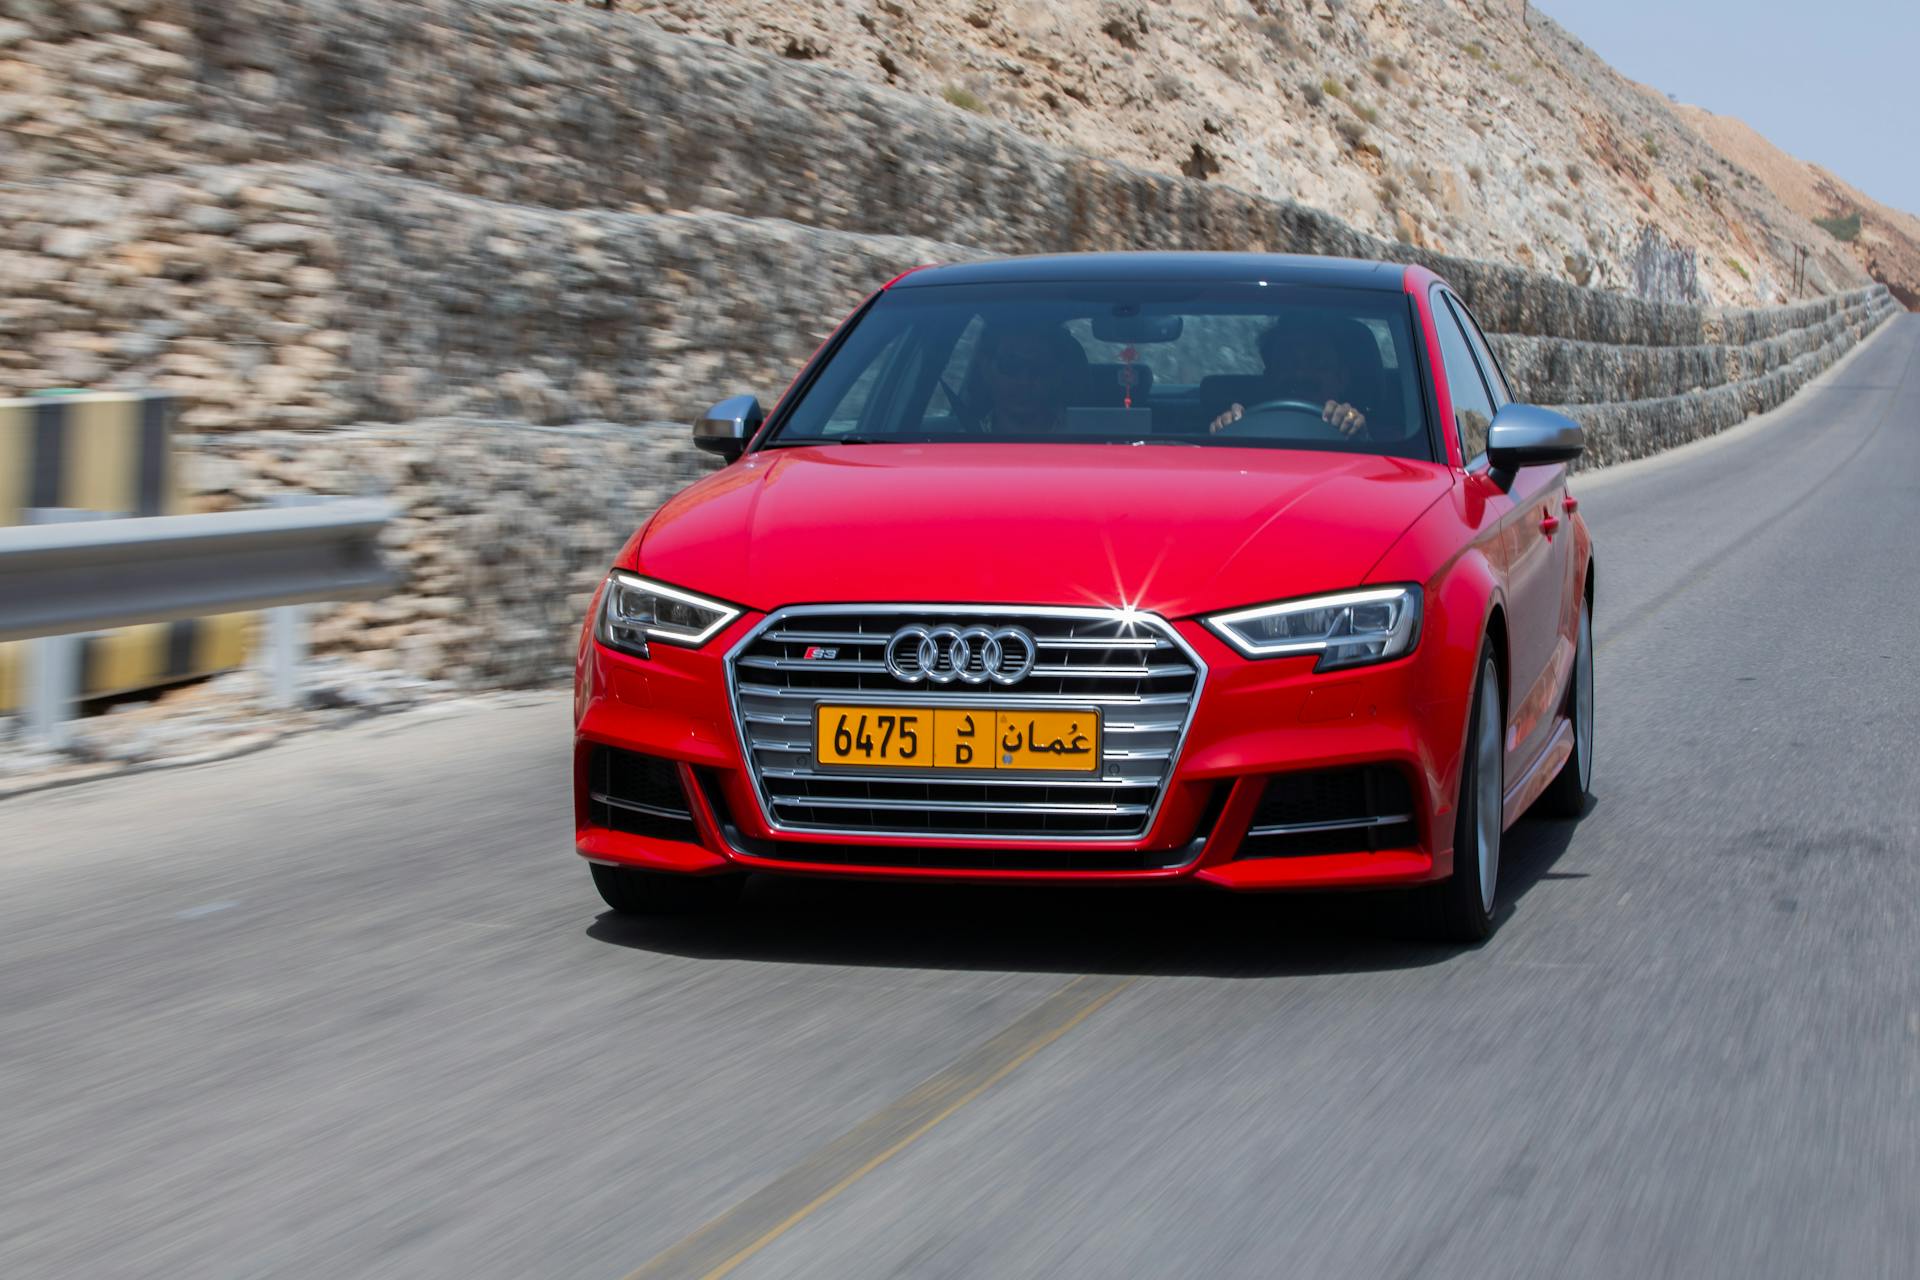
(636, 794)
(1136, 670)
(1352, 810)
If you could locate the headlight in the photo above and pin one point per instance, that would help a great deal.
(634, 610)
(1350, 629)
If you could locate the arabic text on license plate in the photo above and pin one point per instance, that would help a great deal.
(970, 738)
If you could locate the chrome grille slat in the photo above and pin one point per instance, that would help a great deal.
(634, 806)
(1137, 669)
(815, 664)
(954, 806)
(1111, 673)
(1345, 824)
(1117, 643)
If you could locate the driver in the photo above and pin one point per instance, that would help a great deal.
(1304, 362)
(1025, 376)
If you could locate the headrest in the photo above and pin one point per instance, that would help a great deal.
(1351, 339)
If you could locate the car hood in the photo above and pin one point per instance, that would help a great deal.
(1174, 530)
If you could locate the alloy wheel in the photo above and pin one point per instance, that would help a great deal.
(1583, 699)
(1488, 784)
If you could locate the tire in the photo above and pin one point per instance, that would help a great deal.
(632, 892)
(1460, 909)
(1566, 795)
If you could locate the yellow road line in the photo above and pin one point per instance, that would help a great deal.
(763, 1217)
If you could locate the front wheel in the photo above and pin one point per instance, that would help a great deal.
(633, 892)
(1460, 908)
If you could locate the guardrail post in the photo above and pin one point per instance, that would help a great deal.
(53, 681)
(286, 647)
(53, 662)
(286, 650)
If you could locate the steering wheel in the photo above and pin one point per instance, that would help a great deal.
(1305, 407)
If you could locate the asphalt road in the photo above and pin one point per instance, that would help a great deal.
(349, 1007)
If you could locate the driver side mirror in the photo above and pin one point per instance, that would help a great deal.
(726, 428)
(1525, 435)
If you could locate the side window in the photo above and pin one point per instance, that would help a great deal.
(1472, 407)
(1496, 376)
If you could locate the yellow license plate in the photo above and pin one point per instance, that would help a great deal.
(956, 738)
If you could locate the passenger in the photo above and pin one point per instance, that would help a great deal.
(1317, 363)
(1024, 378)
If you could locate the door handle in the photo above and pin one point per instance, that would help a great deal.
(1570, 504)
(1548, 523)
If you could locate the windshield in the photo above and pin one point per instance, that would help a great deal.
(1124, 363)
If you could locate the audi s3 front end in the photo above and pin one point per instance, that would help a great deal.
(1236, 569)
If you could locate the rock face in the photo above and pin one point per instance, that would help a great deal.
(1473, 127)
(329, 210)
(333, 227)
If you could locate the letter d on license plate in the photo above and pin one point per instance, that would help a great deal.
(969, 739)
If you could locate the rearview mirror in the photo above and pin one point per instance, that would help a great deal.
(1126, 326)
(726, 428)
(1525, 435)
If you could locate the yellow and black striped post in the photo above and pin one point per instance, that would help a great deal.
(110, 452)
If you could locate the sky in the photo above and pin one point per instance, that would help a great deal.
(1836, 82)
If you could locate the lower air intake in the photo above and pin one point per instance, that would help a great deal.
(638, 795)
(1352, 810)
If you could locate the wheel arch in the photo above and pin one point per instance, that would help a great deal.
(1469, 611)
(1495, 631)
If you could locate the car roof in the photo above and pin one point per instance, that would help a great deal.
(1287, 268)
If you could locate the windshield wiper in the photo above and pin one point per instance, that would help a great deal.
(809, 442)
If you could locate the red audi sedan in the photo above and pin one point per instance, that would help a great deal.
(1233, 568)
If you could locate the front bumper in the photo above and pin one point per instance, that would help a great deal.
(1254, 720)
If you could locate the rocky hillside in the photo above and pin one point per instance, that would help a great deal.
(418, 247)
(1457, 127)
(299, 213)
(1884, 241)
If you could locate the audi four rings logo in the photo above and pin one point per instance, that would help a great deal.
(971, 655)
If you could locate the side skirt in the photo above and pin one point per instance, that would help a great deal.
(1534, 780)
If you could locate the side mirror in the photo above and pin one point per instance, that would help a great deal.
(726, 428)
(1525, 435)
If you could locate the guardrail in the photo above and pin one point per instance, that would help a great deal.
(76, 572)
